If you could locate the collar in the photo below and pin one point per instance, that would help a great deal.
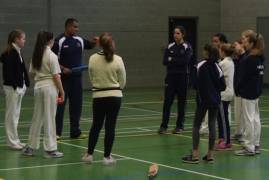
(18, 49)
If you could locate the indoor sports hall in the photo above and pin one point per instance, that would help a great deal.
(141, 30)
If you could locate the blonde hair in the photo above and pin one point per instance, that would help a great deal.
(227, 48)
(256, 39)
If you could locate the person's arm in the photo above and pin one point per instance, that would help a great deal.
(59, 86)
(166, 58)
(91, 43)
(121, 74)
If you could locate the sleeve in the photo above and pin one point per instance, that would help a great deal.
(54, 64)
(55, 47)
(88, 44)
(121, 74)
(165, 57)
(90, 69)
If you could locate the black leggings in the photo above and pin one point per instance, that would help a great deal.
(199, 116)
(104, 110)
(223, 122)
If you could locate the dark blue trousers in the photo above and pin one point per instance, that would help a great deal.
(175, 85)
(223, 122)
(73, 93)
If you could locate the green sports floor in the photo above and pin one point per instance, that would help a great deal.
(136, 147)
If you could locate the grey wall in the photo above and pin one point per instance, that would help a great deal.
(240, 15)
(139, 27)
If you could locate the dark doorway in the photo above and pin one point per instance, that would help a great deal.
(190, 24)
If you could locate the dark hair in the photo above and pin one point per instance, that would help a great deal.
(257, 40)
(182, 30)
(17, 33)
(69, 21)
(213, 52)
(228, 49)
(42, 40)
(106, 43)
(221, 37)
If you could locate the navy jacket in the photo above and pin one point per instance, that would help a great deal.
(69, 50)
(177, 58)
(209, 82)
(14, 71)
(236, 68)
(250, 77)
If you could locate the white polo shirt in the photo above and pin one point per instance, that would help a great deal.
(50, 66)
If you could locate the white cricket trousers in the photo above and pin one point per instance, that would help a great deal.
(237, 115)
(44, 115)
(12, 113)
(251, 119)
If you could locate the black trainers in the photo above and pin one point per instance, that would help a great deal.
(190, 159)
(177, 131)
(27, 151)
(162, 130)
(208, 160)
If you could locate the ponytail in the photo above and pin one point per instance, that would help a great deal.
(107, 44)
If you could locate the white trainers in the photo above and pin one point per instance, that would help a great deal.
(109, 160)
(53, 154)
(87, 158)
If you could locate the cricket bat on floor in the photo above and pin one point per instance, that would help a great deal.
(79, 68)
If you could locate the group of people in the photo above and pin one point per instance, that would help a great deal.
(51, 67)
(227, 72)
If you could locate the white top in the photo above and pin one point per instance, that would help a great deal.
(107, 75)
(50, 66)
(227, 66)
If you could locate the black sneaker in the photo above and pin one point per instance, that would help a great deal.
(208, 160)
(27, 151)
(257, 150)
(162, 130)
(190, 159)
(177, 131)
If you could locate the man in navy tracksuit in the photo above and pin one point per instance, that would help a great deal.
(177, 57)
(69, 48)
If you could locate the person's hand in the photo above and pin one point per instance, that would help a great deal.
(60, 98)
(66, 71)
(95, 40)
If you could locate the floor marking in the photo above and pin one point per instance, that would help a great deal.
(55, 165)
(150, 162)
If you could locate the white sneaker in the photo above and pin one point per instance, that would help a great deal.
(53, 154)
(109, 160)
(18, 146)
(87, 158)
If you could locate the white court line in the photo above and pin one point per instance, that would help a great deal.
(55, 165)
(150, 162)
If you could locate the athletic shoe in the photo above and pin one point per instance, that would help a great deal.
(244, 152)
(18, 146)
(257, 150)
(109, 160)
(27, 151)
(58, 137)
(87, 158)
(190, 159)
(208, 160)
(177, 131)
(81, 136)
(162, 131)
(53, 154)
(224, 147)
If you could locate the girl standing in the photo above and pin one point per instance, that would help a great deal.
(209, 81)
(46, 69)
(16, 80)
(226, 51)
(250, 83)
(108, 78)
